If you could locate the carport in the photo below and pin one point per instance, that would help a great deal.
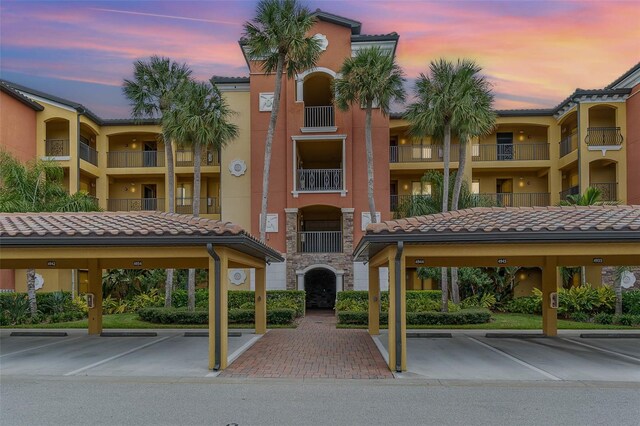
(545, 237)
(140, 240)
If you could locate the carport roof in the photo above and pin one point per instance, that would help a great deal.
(126, 229)
(509, 225)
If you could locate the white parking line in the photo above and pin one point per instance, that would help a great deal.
(633, 358)
(519, 361)
(41, 346)
(237, 353)
(111, 358)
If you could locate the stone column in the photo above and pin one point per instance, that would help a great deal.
(347, 248)
(291, 220)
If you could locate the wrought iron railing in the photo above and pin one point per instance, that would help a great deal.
(514, 199)
(574, 190)
(208, 205)
(88, 154)
(568, 144)
(118, 159)
(420, 153)
(135, 204)
(56, 147)
(320, 242)
(184, 158)
(319, 180)
(608, 190)
(603, 136)
(319, 116)
(510, 152)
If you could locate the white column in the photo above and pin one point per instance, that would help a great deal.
(299, 89)
(300, 280)
(339, 281)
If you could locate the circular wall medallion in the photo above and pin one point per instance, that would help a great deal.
(237, 276)
(322, 40)
(628, 279)
(237, 167)
(39, 282)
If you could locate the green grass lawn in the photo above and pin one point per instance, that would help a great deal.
(130, 321)
(501, 321)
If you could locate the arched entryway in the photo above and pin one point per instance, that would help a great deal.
(320, 288)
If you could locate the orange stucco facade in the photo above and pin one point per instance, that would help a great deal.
(633, 146)
(17, 128)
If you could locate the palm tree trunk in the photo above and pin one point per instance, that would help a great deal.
(444, 285)
(197, 162)
(444, 279)
(457, 187)
(369, 148)
(31, 291)
(171, 208)
(617, 288)
(267, 148)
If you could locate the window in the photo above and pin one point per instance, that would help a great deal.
(475, 187)
(420, 188)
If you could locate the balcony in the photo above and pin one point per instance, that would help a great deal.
(568, 144)
(513, 199)
(608, 190)
(320, 242)
(184, 158)
(319, 117)
(603, 139)
(319, 180)
(511, 152)
(88, 154)
(135, 204)
(122, 159)
(420, 153)
(56, 148)
(574, 190)
(208, 205)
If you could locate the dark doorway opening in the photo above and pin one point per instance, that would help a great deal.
(320, 286)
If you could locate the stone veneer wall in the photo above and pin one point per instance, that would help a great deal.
(341, 261)
(608, 275)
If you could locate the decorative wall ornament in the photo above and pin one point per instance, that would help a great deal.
(39, 282)
(366, 219)
(272, 222)
(237, 276)
(322, 40)
(266, 101)
(237, 167)
(627, 280)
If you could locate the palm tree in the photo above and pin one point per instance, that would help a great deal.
(200, 119)
(152, 93)
(371, 78)
(277, 37)
(37, 187)
(591, 196)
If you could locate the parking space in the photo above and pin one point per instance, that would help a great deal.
(472, 356)
(168, 354)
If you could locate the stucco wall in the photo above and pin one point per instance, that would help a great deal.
(17, 128)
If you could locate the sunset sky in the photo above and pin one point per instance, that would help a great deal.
(535, 52)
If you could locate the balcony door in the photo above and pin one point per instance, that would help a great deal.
(504, 141)
(150, 155)
(149, 197)
(504, 192)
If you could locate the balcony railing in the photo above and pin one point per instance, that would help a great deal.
(184, 158)
(574, 190)
(56, 148)
(319, 180)
(568, 144)
(510, 152)
(603, 136)
(135, 204)
(608, 190)
(320, 242)
(513, 199)
(207, 205)
(420, 153)
(118, 159)
(319, 116)
(88, 154)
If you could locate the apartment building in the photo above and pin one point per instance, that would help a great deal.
(318, 206)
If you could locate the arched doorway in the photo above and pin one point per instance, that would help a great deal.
(320, 288)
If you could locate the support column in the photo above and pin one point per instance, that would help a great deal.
(397, 311)
(95, 287)
(549, 285)
(339, 283)
(374, 301)
(218, 320)
(261, 301)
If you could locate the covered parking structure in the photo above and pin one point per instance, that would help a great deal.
(140, 240)
(545, 237)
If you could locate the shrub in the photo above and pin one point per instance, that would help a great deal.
(359, 318)
(626, 319)
(603, 318)
(579, 317)
(467, 316)
(235, 316)
(14, 308)
(487, 301)
(276, 299)
(417, 300)
(525, 305)
(631, 302)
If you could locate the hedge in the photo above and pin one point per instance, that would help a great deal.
(48, 303)
(631, 302)
(466, 316)
(245, 299)
(417, 300)
(235, 316)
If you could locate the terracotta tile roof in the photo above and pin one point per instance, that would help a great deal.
(523, 219)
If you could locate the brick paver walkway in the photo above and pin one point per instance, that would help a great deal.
(316, 349)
